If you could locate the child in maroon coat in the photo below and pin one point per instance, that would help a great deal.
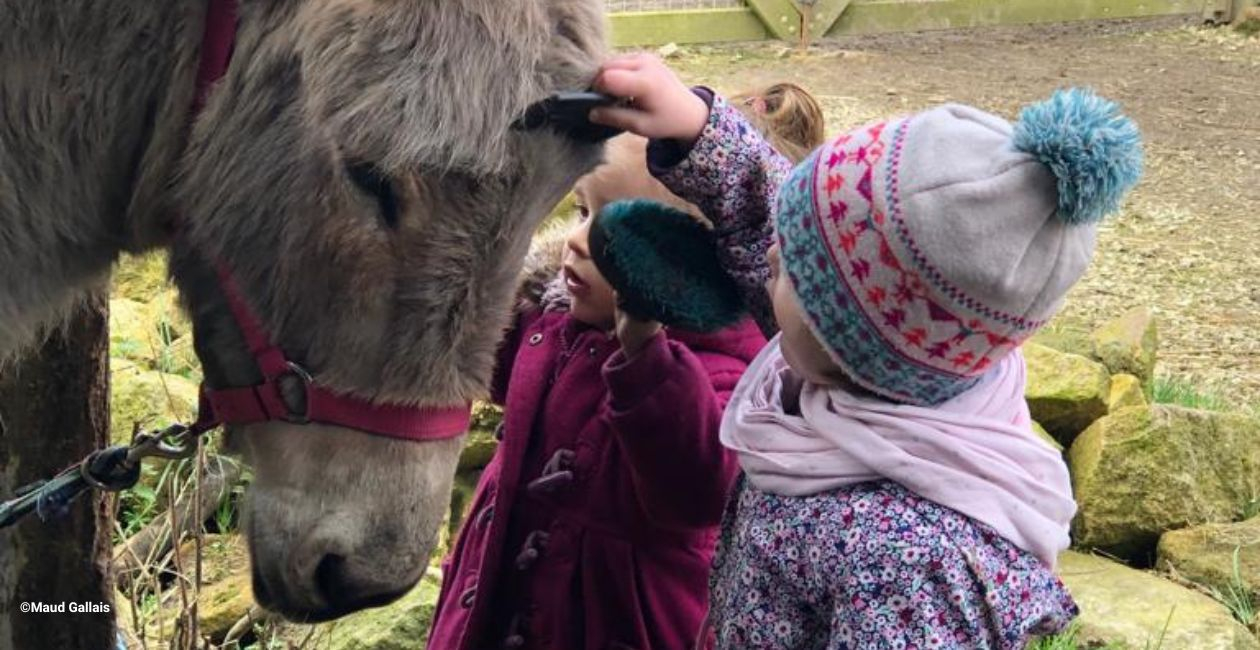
(594, 524)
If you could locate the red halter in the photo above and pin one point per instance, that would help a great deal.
(264, 402)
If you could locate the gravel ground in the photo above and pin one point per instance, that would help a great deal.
(1186, 243)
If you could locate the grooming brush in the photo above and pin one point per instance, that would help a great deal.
(664, 266)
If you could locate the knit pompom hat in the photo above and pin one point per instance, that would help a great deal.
(924, 249)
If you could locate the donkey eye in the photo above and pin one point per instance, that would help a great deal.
(372, 181)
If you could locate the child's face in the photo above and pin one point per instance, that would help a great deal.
(624, 175)
(800, 348)
(593, 301)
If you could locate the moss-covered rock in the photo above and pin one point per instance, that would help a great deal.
(1064, 337)
(129, 331)
(179, 358)
(461, 498)
(1142, 471)
(1045, 436)
(156, 335)
(1066, 392)
(565, 210)
(479, 446)
(1205, 554)
(480, 443)
(1136, 609)
(140, 277)
(224, 603)
(1129, 344)
(1126, 391)
(402, 625)
(462, 491)
(149, 397)
(222, 555)
(226, 594)
(125, 617)
(167, 316)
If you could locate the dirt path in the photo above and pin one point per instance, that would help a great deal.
(1188, 242)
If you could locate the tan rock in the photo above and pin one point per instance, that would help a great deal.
(1064, 338)
(156, 336)
(149, 398)
(140, 277)
(1126, 391)
(1137, 609)
(168, 316)
(1066, 392)
(1049, 439)
(479, 446)
(226, 593)
(402, 625)
(129, 330)
(462, 491)
(1129, 344)
(1142, 471)
(224, 603)
(1205, 554)
(481, 442)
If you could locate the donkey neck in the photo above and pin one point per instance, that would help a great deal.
(94, 102)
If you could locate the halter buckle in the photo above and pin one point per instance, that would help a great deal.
(302, 413)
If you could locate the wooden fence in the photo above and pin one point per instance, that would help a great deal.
(656, 22)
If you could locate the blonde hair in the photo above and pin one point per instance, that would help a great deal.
(787, 115)
(624, 175)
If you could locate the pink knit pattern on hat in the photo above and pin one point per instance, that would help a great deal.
(890, 319)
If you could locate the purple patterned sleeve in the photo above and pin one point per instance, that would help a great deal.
(733, 175)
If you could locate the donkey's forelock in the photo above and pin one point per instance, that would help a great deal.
(448, 107)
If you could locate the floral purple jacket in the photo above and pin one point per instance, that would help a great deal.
(733, 175)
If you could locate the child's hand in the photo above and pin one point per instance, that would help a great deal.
(633, 333)
(660, 105)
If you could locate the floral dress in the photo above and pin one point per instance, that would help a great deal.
(873, 566)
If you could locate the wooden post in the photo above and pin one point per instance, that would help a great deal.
(821, 16)
(1224, 12)
(781, 17)
(54, 407)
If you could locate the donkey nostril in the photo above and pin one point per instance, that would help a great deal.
(337, 585)
(330, 579)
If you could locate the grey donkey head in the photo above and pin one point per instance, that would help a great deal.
(357, 171)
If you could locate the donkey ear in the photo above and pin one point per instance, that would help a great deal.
(374, 182)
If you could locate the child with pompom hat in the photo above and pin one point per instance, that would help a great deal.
(893, 492)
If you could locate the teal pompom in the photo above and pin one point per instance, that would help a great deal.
(664, 266)
(1093, 150)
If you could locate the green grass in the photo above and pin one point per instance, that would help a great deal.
(1250, 509)
(1236, 597)
(1184, 392)
(1249, 27)
(141, 504)
(1069, 639)
(1065, 640)
(1159, 644)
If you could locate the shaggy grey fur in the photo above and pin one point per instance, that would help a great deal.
(96, 158)
(93, 95)
(406, 315)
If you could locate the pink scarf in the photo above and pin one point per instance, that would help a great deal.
(976, 453)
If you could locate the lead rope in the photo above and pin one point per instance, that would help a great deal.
(112, 469)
